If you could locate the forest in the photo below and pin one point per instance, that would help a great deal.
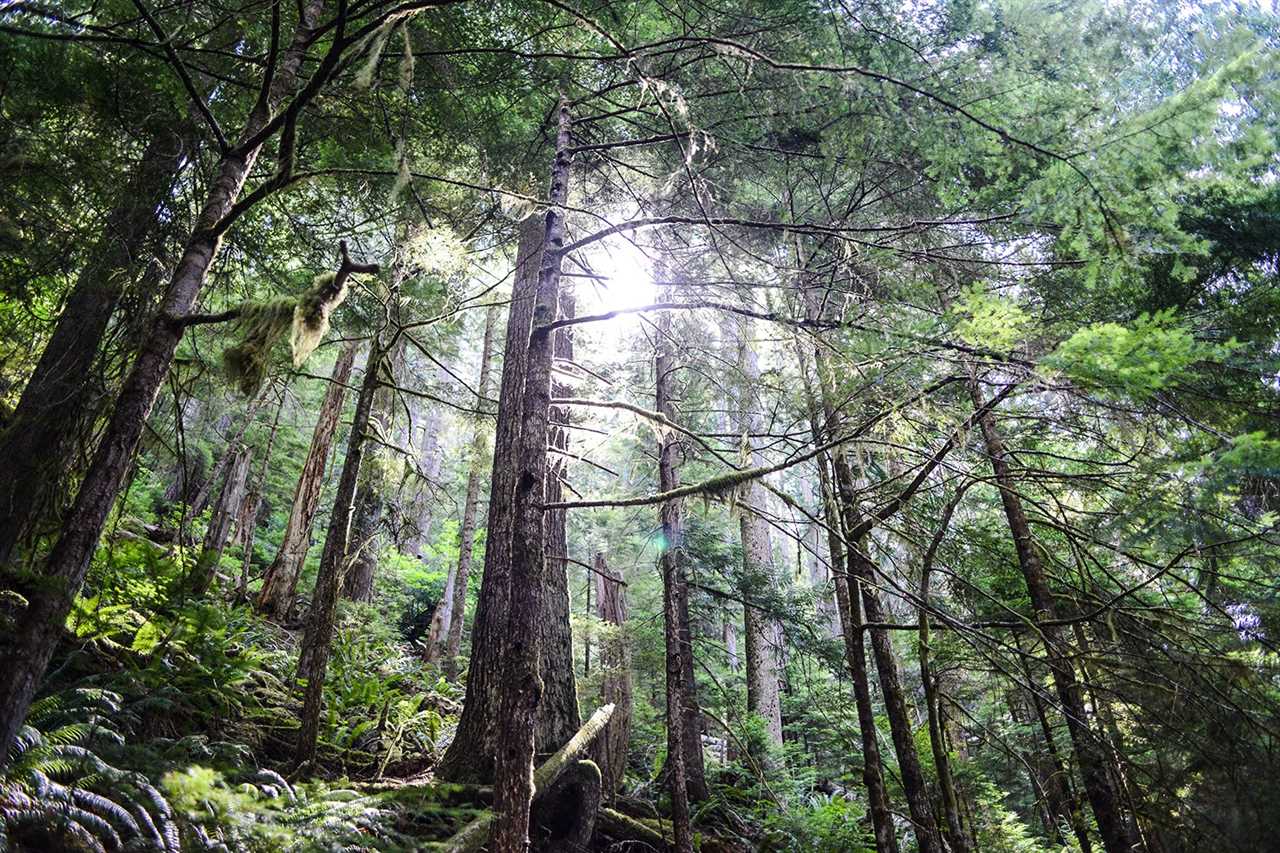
(640, 425)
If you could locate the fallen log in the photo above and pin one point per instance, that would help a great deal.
(472, 837)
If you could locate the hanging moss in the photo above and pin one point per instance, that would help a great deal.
(263, 325)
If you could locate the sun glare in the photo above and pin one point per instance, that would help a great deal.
(625, 279)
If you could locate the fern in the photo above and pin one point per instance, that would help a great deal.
(58, 792)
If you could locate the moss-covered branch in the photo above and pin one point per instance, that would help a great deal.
(472, 837)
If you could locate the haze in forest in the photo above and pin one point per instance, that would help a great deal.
(434, 425)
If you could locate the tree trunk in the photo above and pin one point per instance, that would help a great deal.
(1117, 835)
(281, 578)
(42, 623)
(610, 749)
(520, 690)
(441, 620)
(470, 756)
(247, 527)
(36, 448)
(679, 755)
(422, 506)
(850, 613)
(932, 689)
(763, 632)
(318, 638)
(467, 532)
(226, 510)
(357, 582)
(558, 715)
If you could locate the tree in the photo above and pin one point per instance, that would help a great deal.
(280, 580)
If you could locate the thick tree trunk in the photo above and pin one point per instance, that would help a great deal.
(520, 690)
(36, 448)
(558, 715)
(467, 532)
(1117, 835)
(469, 757)
(763, 632)
(318, 638)
(42, 623)
(280, 581)
(226, 510)
(610, 749)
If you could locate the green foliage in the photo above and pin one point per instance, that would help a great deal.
(988, 320)
(1136, 360)
(821, 823)
(58, 793)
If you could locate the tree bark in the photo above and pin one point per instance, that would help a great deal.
(763, 633)
(850, 613)
(357, 582)
(280, 581)
(610, 749)
(318, 638)
(1117, 835)
(558, 715)
(226, 510)
(680, 756)
(247, 527)
(520, 690)
(469, 758)
(42, 623)
(36, 448)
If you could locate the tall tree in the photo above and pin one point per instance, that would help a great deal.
(1117, 832)
(56, 403)
(471, 506)
(520, 691)
(68, 561)
(280, 580)
(317, 641)
(762, 631)
(470, 755)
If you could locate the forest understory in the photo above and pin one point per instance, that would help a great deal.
(630, 426)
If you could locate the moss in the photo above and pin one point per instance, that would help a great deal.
(263, 325)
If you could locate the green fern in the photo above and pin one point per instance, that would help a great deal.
(59, 793)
